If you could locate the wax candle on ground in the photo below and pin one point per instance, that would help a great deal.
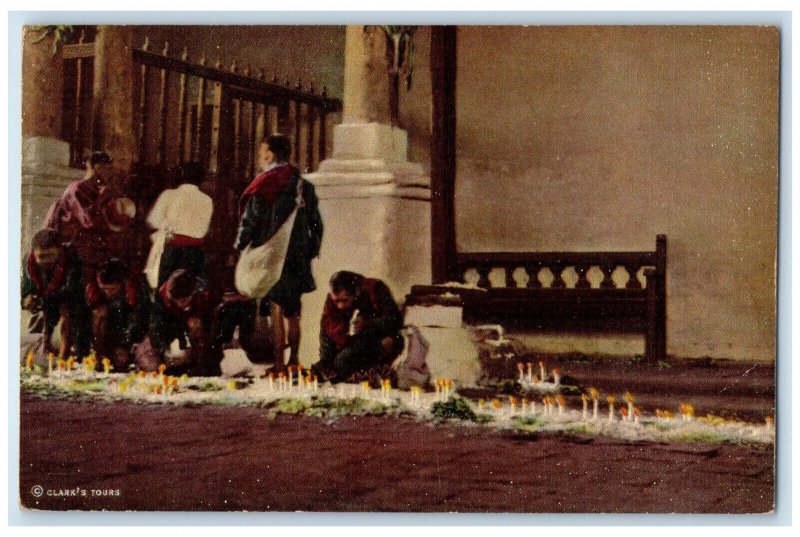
(769, 422)
(611, 400)
(561, 403)
(530, 371)
(542, 371)
(557, 376)
(623, 411)
(636, 414)
(106, 366)
(481, 402)
(521, 369)
(513, 402)
(585, 410)
(50, 359)
(629, 399)
(594, 393)
(524, 406)
(29, 360)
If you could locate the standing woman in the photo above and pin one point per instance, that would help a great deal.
(264, 207)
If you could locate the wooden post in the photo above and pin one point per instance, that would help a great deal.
(144, 90)
(182, 110)
(77, 127)
(310, 138)
(162, 106)
(201, 103)
(443, 152)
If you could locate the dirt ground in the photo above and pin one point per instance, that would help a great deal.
(225, 458)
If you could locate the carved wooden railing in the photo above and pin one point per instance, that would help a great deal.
(511, 289)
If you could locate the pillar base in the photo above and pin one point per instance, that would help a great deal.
(375, 208)
(45, 175)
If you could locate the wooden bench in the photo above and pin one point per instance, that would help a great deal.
(583, 308)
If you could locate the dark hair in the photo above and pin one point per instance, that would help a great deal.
(98, 157)
(346, 281)
(113, 271)
(280, 146)
(46, 238)
(191, 173)
(182, 284)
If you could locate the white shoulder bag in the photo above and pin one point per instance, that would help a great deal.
(260, 268)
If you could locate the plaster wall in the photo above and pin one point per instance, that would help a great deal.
(598, 138)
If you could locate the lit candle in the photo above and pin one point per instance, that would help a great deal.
(636, 414)
(123, 387)
(315, 383)
(70, 363)
(449, 387)
(611, 400)
(481, 402)
(557, 376)
(659, 414)
(438, 388)
(542, 371)
(106, 366)
(546, 403)
(291, 377)
(629, 398)
(524, 406)
(585, 401)
(521, 369)
(365, 389)
(50, 359)
(270, 380)
(161, 369)
(29, 360)
(513, 401)
(231, 385)
(533, 406)
(594, 393)
(184, 377)
(561, 402)
(496, 405)
(530, 372)
(61, 366)
(623, 411)
(769, 422)
(281, 381)
(687, 411)
(536, 379)
(155, 375)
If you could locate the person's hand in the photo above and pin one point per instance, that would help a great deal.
(358, 324)
(32, 303)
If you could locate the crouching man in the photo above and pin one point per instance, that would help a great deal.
(51, 284)
(119, 312)
(360, 329)
(178, 331)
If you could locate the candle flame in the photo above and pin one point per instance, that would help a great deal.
(496, 404)
(520, 366)
(628, 397)
(623, 410)
(162, 368)
(560, 400)
(611, 399)
(584, 397)
(594, 393)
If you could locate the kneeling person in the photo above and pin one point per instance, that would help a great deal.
(360, 327)
(119, 312)
(51, 283)
(180, 311)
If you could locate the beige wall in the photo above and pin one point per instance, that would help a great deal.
(592, 138)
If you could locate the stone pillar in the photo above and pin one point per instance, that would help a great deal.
(375, 204)
(115, 81)
(42, 89)
(366, 82)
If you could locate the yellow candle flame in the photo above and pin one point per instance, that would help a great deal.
(594, 393)
(628, 397)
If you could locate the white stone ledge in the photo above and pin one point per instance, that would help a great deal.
(339, 191)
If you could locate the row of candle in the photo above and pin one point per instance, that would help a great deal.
(284, 383)
(526, 374)
(89, 364)
(443, 389)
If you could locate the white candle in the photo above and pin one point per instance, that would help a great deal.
(530, 372)
(557, 376)
(521, 369)
(270, 382)
(610, 400)
(542, 371)
(533, 407)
